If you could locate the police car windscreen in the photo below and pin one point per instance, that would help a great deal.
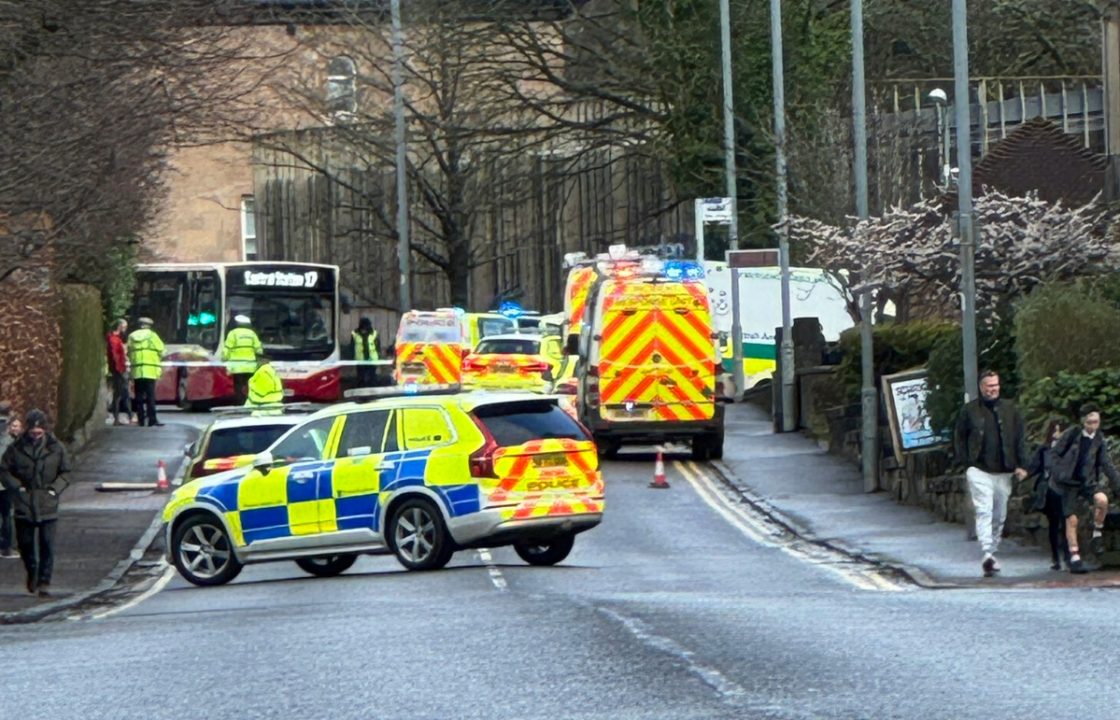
(508, 346)
(229, 442)
(517, 423)
(495, 326)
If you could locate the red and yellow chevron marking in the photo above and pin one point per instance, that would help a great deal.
(543, 478)
(441, 363)
(488, 372)
(579, 285)
(657, 353)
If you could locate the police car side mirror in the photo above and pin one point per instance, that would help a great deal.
(188, 450)
(263, 461)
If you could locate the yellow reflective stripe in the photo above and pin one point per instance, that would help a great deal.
(331, 446)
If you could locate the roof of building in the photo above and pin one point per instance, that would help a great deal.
(1039, 157)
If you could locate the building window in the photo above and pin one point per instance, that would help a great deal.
(341, 94)
(249, 226)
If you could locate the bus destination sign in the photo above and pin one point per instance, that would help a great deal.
(279, 278)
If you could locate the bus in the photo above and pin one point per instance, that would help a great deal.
(293, 308)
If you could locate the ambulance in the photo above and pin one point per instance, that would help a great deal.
(813, 293)
(649, 360)
(431, 344)
(582, 276)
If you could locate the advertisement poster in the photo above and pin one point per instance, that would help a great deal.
(911, 430)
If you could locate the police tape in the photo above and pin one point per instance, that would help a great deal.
(301, 363)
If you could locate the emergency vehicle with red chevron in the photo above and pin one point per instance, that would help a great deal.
(650, 360)
(417, 476)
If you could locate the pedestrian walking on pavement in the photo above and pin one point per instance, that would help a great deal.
(239, 353)
(12, 431)
(34, 467)
(118, 372)
(145, 353)
(1082, 455)
(1046, 498)
(990, 442)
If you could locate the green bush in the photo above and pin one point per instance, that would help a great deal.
(83, 357)
(118, 279)
(898, 347)
(1063, 394)
(1065, 328)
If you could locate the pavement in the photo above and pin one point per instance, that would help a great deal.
(820, 496)
(99, 534)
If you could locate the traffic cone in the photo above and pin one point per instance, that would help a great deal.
(659, 481)
(161, 477)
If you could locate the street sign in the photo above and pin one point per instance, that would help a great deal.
(752, 258)
(714, 211)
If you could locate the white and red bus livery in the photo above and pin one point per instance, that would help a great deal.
(293, 308)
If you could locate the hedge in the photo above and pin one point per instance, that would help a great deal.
(898, 347)
(1065, 392)
(1065, 328)
(83, 357)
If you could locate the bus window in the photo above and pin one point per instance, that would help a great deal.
(202, 320)
(162, 297)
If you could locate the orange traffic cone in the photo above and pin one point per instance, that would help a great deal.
(659, 481)
(161, 477)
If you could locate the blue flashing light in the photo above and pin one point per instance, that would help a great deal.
(411, 389)
(511, 309)
(683, 270)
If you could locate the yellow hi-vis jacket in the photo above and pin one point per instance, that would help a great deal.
(265, 387)
(359, 346)
(145, 353)
(240, 351)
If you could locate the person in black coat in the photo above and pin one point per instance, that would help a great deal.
(1081, 457)
(33, 469)
(1046, 499)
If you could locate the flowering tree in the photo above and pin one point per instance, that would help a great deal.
(1020, 242)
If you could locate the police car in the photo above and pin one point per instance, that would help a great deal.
(233, 440)
(513, 362)
(419, 477)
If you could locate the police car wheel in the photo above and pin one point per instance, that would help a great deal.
(550, 553)
(418, 536)
(202, 552)
(327, 566)
(609, 449)
(701, 448)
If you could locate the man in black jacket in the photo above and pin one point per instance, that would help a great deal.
(34, 469)
(1082, 455)
(991, 442)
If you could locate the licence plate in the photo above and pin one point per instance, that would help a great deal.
(416, 368)
(549, 461)
(504, 368)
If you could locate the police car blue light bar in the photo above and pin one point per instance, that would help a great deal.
(683, 270)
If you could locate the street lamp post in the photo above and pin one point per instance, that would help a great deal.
(729, 171)
(789, 423)
(404, 247)
(964, 195)
(869, 436)
(940, 100)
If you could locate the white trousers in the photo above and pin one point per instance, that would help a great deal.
(989, 492)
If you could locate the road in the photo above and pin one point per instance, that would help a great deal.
(676, 607)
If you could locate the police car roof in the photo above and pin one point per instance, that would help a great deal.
(224, 423)
(468, 401)
(536, 337)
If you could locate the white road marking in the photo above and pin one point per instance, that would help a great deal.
(495, 573)
(160, 583)
(761, 530)
(726, 688)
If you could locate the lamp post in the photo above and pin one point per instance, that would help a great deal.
(941, 100)
(869, 398)
(729, 171)
(404, 247)
(964, 195)
(786, 347)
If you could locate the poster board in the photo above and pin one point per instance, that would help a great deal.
(905, 394)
